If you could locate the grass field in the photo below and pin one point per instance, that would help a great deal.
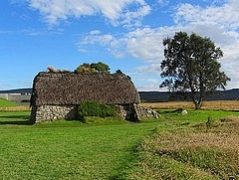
(6, 103)
(173, 147)
(210, 105)
(67, 149)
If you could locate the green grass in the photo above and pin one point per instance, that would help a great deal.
(103, 148)
(6, 103)
(67, 149)
(195, 116)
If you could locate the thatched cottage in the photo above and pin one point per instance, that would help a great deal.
(57, 95)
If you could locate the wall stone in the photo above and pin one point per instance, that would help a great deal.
(135, 112)
(52, 113)
(145, 112)
(128, 112)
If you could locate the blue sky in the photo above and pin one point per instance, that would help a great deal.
(125, 34)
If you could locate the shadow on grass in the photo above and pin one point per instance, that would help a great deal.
(130, 161)
(121, 172)
(16, 120)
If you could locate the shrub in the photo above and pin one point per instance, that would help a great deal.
(210, 122)
(95, 109)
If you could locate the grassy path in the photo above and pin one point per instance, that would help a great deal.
(67, 150)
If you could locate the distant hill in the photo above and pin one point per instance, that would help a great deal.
(154, 96)
(13, 91)
(20, 96)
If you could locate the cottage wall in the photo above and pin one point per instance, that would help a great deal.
(128, 112)
(134, 112)
(53, 112)
(145, 112)
(56, 112)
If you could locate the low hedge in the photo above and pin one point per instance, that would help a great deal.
(95, 109)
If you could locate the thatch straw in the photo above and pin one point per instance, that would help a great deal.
(72, 89)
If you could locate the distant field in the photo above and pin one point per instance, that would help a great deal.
(212, 105)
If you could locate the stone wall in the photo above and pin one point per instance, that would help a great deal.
(145, 112)
(134, 112)
(56, 112)
(130, 112)
(53, 112)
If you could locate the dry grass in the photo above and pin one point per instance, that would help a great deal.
(213, 152)
(224, 138)
(168, 105)
(15, 109)
(221, 105)
(212, 105)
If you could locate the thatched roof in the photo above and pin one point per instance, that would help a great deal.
(71, 88)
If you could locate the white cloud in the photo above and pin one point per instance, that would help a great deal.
(153, 68)
(41, 32)
(163, 2)
(144, 44)
(226, 15)
(134, 18)
(147, 78)
(95, 37)
(54, 11)
(220, 23)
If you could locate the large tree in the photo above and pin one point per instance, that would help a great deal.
(191, 66)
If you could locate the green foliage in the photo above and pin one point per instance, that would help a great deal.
(191, 65)
(100, 67)
(210, 122)
(93, 68)
(118, 71)
(84, 68)
(95, 109)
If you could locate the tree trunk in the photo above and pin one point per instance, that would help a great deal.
(197, 103)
